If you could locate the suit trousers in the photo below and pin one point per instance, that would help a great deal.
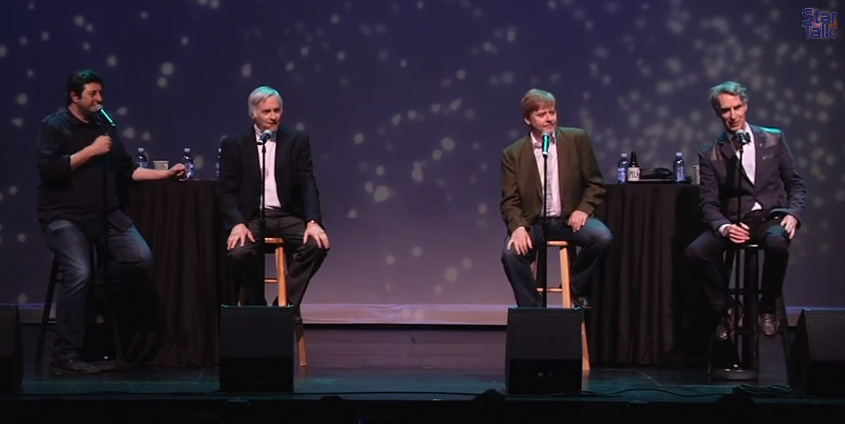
(303, 260)
(706, 254)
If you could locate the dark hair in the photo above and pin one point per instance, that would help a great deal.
(77, 80)
(727, 87)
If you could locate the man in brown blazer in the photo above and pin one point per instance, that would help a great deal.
(575, 189)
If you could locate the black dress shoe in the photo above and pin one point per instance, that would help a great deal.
(581, 302)
(769, 324)
(72, 366)
(727, 324)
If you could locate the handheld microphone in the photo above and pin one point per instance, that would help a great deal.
(105, 115)
(743, 137)
(546, 141)
(265, 136)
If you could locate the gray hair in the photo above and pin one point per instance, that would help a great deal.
(259, 95)
(727, 87)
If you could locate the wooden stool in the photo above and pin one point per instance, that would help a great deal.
(565, 291)
(278, 245)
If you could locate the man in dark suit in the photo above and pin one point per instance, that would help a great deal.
(756, 201)
(290, 199)
(575, 189)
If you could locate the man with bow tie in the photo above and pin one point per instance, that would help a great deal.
(562, 159)
(290, 199)
(751, 192)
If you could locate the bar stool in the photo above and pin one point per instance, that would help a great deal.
(744, 262)
(277, 245)
(564, 289)
(47, 321)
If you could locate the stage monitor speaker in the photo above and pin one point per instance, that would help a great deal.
(816, 363)
(11, 352)
(543, 349)
(256, 349)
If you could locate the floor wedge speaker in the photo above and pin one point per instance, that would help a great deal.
(11, 352)
(816, 363)
(256, 349)
(543, 351)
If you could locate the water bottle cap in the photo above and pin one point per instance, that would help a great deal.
(678, 154)
(187, 149)
(624, 155)
(140, 149)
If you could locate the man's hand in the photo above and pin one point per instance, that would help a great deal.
(315, 231)
(738, 233)
(790, 224)
(177, 171)
(238, 235)
(100, 146)
(520, 240)
(577, 220)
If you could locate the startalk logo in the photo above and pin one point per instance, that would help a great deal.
(819, 24)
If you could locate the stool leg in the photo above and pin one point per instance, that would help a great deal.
(282, 283)
(751, 352)
(45, 313)
(565, 287)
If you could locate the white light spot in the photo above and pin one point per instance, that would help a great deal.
(13, 190)
(162, 82)
(451, 274)
(341, 56)
(184, 40)
(447, 144)
(390, 260)
(128, 133)
(412, 114)
(45, 36)
(167, 68)
(78, 20)
(86, 46)
(403, 63)
(511, 34)
(383, 55)
(303, 51)
(435, 108)
(144, 14)
(146, 136)
(380, 170)
(416, 252)
(466, 263)
(89, 28)
(437, 154)
(22, 99)
(289, 66)
(3, 51)
(417, 172)
(482, 209)
(23, 298)
(368, 187)
(17, 122)
(461, 74)
(352, 214)
(21, 237)
(455, 105)
(334, 18)
(111, 61)
(437, 289)
(396, 119)
(358, 138)
(382, 194)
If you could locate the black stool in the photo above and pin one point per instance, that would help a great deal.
(99, 353)
(744, 262)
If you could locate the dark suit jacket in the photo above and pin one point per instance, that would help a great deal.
(581, 182)
(777, 186)
(238, 188)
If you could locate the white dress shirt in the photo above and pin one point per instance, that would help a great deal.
(553, 191)
(270, 196)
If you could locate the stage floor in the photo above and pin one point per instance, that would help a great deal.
(426, 369)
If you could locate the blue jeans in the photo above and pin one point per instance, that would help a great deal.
(594, 240)
(74, 254)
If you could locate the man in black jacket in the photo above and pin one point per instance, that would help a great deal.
(290, 199)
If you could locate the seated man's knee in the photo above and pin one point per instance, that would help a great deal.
(242, 254)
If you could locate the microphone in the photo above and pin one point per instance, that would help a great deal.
(105, 115)
(743, 137)
(546, 141)
(264, 137)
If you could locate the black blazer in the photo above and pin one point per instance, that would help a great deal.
(777, 185)
(238, 188)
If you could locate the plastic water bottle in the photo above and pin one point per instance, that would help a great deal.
(634, 168)
(680, 168)
(188, 160)
(141, 158)
(622, 169)
(217, 165)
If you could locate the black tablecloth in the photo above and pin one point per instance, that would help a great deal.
(180, 326)
(647, 310)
